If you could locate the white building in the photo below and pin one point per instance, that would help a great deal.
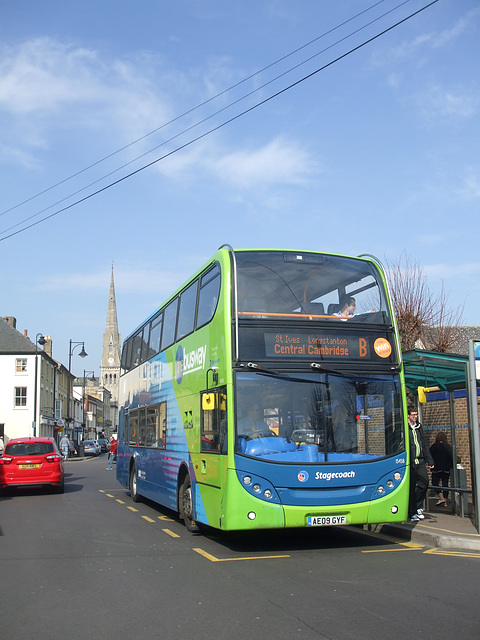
(27, 384)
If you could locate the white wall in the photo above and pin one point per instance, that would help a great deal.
(18, 421)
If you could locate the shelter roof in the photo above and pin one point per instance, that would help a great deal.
(433, 369)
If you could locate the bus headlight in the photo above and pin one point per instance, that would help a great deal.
(389, 484)
(380, 490)
(251, 515)
(267, 493)
(256, 488)
(397, 476)
(247, 480)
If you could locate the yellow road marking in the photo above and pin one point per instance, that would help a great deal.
(412, 548)
(109, 495)
(166, 518)
(456, 554)
(132, 508)
(148, 519)
(120, 501)
(209, 556)
(170, 533)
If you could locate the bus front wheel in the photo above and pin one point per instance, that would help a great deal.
(186, 505)
(133, 484)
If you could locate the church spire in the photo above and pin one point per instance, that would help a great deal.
(112, 323)
(110, 366)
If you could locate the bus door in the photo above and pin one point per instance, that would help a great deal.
(212, 460)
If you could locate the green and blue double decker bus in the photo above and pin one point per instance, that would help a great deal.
(268, 392)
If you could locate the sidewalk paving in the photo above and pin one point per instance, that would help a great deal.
(441, 528)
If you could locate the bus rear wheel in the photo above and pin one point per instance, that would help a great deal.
(133, 484)
(186, 505)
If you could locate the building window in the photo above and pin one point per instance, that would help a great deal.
(20, 396)
(21, 365)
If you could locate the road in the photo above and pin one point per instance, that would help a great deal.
(92, 564)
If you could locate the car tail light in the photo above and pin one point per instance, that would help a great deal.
(53, 458)
(5, 460)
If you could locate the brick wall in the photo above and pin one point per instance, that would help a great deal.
(436, 417)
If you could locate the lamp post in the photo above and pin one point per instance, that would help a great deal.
(85, 373)
(82, 354)
(39, 340)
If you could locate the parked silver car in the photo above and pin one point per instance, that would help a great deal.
(91, 448)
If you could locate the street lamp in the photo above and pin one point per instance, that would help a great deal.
(82, 354)
(92, 374)
(39, 340)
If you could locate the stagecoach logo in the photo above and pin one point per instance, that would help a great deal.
(302, 476)
(189, 362)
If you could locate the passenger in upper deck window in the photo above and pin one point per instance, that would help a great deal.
(347, 307)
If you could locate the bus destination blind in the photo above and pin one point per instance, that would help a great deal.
(324, 345)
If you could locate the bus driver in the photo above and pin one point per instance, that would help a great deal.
(253, 425)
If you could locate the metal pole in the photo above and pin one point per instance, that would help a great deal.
(82, 354)
(474, 437)
(39, 339)
(34, 425)
(83, 405)
(453, 438)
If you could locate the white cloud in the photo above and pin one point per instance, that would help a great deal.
(437, 101)
(47, 86)
(443, 270)
(433, 40)
(278, 162)
(471, 187)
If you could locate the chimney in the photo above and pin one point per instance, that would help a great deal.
(25, 333)
(47, 347)
(11, 321)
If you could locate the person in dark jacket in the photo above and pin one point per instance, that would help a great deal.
(441, 453)
(420, 462)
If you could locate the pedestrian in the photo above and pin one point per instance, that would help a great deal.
(112, 453)
(65, 446)
(441, 453)
(420, 462)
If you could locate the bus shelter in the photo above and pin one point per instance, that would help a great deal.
(430, 372)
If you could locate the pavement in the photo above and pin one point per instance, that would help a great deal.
(441, 528)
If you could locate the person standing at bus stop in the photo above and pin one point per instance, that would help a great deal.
(441, 453)
(420, 462)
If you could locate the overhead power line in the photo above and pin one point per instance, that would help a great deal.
(209, 117)
(189, 111)
(225, 123)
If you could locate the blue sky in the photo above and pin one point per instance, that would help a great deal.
(377, 153)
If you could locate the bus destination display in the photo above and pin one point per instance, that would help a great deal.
(324, 345)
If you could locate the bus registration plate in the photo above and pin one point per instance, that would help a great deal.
(325, 521)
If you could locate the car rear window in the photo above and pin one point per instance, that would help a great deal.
(29, 449)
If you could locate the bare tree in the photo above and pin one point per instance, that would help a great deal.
(423, 318)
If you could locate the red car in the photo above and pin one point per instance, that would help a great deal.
(31, 461)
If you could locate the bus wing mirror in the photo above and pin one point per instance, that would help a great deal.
(208, 401)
